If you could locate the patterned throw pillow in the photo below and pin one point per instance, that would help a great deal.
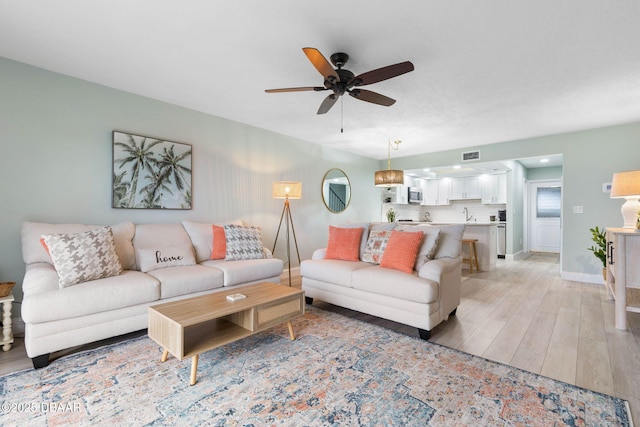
(243, 242)
(84, 256)
(376, 244)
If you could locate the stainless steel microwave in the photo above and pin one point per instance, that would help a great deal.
(415, 195)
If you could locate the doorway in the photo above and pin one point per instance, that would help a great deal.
(545, 216)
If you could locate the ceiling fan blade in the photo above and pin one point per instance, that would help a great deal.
(296, 89)
(327, 103)
(322, 65)
(373, 97)
(381, 74)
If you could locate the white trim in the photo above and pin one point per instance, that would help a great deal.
(518, 256)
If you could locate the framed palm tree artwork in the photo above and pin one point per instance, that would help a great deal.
(150, 173)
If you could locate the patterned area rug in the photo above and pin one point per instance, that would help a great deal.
(338, 372)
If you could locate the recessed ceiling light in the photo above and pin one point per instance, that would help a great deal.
(426, 170)
(456, 166)
(544, 160)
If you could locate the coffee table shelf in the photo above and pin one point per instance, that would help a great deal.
(189, 327)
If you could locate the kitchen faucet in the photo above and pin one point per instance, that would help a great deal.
(467, 217)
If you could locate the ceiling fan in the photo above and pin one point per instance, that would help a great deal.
(339, 80)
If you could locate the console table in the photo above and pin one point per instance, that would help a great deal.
(623, 272)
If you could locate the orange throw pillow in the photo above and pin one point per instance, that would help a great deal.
(401, 251)
(344, 243)
(219, 243)
(44, 245)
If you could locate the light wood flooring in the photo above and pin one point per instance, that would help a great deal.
(521, 314)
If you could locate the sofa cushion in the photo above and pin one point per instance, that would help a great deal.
(401, 251)
(111, 293)
(201, 236)
(386, 281)
(243, 242)
(376, 244)
(449, 241)
(248, 270)
(344, 243)
(164, 256)
(83, 256)
(183, 280)
(333, 271)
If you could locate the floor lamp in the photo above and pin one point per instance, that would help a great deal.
(287, 190)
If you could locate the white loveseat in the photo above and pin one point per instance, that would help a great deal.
(59, 316)
(422, 299)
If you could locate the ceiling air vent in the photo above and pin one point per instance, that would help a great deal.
(470, 155)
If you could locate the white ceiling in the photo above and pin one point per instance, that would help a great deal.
(485, 71)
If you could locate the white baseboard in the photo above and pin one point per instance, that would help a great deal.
(582, 277)
(515, 257)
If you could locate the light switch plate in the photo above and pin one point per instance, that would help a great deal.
(577, 210)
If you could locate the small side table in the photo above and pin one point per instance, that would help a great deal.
(7, 333)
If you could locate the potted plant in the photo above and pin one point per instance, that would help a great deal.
(600, 248)
(391, 215)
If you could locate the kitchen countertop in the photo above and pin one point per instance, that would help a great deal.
(472, 223)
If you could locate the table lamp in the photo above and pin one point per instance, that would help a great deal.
(627, 185)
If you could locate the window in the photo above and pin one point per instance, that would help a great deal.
(549, 202)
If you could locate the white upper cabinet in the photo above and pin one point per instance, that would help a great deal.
(494, 189)
(429, 192)
(465, 188)
(436, 191)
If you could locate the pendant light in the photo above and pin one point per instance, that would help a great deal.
(389, 177)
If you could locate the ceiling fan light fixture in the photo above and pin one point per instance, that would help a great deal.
(389, 177)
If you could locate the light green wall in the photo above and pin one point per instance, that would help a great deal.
(56, 154)
(553, 172)
(590, 158)
(55, 166)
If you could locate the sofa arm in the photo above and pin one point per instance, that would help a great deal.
(319, 253)
(434, 269)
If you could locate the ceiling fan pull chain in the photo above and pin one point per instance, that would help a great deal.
(341, 114)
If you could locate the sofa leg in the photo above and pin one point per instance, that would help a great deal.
(453, 313)
(424, 334)
(308, 300)
(40, 361)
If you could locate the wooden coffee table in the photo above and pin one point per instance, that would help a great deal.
(191, 326)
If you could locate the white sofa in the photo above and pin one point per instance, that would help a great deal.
(421, 299)
(58, 317)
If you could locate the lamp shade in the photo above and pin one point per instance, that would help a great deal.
(389, 178)
(627, 185)
(286, 190)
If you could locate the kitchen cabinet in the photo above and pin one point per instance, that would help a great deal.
(493, 189)
(436, 191)
(465, 188)
(623, 272)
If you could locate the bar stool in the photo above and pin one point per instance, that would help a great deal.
(473, 254)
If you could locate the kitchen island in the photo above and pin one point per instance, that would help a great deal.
(484, 232)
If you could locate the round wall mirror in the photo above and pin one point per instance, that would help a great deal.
(336, 190)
